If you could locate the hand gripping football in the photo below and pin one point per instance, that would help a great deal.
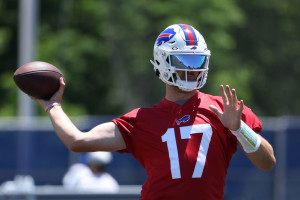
(38, 79)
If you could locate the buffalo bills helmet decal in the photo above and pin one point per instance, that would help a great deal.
(165, 36)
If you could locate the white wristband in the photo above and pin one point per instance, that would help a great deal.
(249, 140)
(51, 106)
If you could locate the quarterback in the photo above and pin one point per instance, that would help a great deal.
(186, 141)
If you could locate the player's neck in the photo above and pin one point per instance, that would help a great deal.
(174, 94)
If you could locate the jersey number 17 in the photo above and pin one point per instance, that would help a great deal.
(185, 132)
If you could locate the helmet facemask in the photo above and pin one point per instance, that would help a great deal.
(189, 85)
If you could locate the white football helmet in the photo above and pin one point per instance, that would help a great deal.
(181, 47)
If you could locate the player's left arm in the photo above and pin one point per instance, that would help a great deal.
(264, 157)
(257, 149)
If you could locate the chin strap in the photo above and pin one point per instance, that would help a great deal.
(187, 85)
(249, 140)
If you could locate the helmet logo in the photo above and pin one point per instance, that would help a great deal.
(194, 48)
(165, 36)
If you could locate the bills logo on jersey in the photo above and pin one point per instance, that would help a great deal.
(165, 36)
(183, 119)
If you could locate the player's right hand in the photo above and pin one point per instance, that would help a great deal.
(56, 97)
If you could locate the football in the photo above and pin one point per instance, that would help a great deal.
(38, 79)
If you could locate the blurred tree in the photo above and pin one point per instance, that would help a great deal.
(268, 45)
(8, 56)
(103, 47)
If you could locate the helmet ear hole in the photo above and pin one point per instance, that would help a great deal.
(157, 72)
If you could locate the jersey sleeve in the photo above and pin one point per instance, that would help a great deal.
(251, 119)
(126, 126)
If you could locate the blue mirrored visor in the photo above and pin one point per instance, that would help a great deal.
(188, 61)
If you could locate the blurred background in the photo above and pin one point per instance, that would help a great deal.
(103, 47)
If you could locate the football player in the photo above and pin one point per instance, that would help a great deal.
(186, 141)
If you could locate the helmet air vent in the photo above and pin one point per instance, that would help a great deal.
(168, 60)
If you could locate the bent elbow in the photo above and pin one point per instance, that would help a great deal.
(75, 146)
(269, 165)
(74, 143)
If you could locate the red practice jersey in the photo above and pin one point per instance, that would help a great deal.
(185, 149)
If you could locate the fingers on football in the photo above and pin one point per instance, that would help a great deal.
(62, 81)
(62, 84)
(57, 96)
(33, 98)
